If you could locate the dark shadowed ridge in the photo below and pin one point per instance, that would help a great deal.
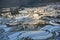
(24, 3)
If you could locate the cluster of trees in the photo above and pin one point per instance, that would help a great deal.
(30, 3)
(12, 3)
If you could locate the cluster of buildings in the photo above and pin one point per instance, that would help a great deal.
(50, 10)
